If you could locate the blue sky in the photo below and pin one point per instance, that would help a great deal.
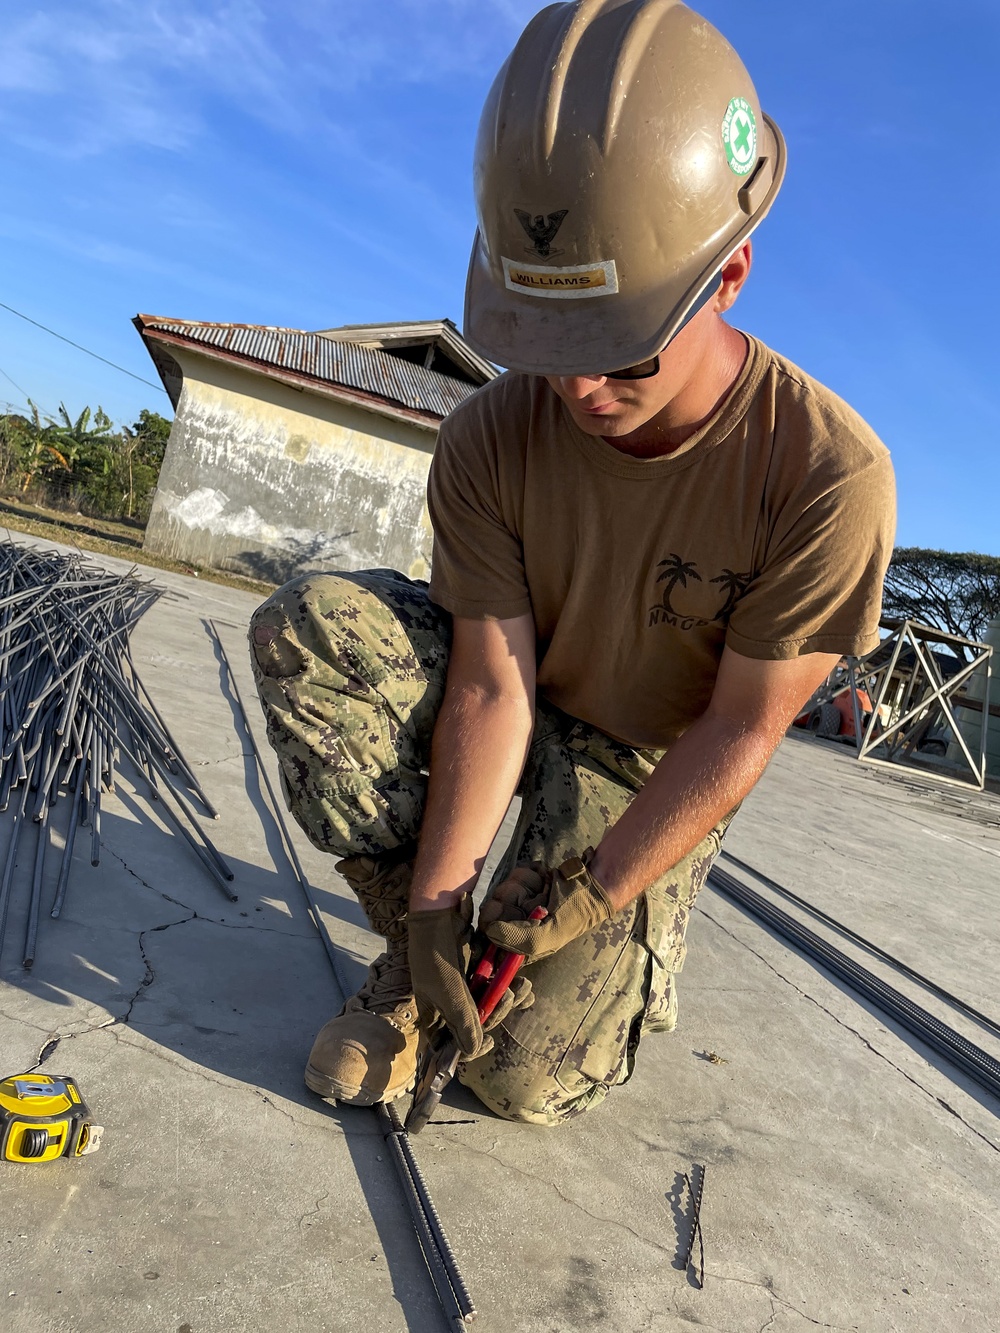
(306, 163)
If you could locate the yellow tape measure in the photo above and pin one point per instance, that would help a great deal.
(42, 1118)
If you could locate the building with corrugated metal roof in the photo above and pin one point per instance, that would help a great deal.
(293, 450)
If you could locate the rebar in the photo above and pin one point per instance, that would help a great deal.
(984, 1020)
(72, 708)
(972, 1060)
(452, 1292)
(448, 1283)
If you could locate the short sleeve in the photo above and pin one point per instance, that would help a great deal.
(477, 568)
(820, 588)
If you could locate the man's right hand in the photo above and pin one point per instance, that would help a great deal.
(440, 949)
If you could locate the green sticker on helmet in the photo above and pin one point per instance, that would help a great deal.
(739, 136)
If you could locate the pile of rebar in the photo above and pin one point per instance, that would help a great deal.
(73, 708)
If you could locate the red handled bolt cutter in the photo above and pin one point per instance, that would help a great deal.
(490, 978)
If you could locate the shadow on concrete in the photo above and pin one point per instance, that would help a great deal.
(277, 565)
(238, 989)
(681, 1202)
(360, 1127)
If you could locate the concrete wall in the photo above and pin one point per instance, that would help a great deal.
(269, 480)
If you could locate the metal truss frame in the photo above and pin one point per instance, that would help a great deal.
(926, 697)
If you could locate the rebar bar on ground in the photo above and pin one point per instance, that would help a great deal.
(971, 1059)
(449, 1284)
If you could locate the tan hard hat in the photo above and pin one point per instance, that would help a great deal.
(622, 158)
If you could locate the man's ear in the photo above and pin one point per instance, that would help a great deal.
(735, 272)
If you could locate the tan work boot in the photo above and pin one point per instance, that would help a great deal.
(368, 1053)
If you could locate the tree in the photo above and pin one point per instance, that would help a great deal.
(146, 444)
(14, 431)
(84, 461)
(85, 443)
(130, 465)
(958, 592)
(153, 428)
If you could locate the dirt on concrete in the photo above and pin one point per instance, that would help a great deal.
(103, 536)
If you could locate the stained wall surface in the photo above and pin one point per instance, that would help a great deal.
(269, 480)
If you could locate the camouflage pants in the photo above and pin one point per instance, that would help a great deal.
(351, 673)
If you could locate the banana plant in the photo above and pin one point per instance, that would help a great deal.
(38, 446)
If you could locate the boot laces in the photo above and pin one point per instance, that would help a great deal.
(388, 988)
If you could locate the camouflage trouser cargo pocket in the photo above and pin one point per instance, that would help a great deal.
(351, 671)
(669, 904)
(563, 1055)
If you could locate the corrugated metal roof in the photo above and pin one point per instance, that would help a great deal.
(367, 369)
(442, 332)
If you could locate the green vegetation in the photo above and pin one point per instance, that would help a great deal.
(957, 591)
(83, 464)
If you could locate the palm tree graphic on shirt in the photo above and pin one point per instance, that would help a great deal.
(734, 586)
(675, 570)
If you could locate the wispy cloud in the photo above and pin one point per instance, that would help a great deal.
(82, 80)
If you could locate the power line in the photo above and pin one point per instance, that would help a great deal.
(27, 398)
(112, 364)
(15, 384)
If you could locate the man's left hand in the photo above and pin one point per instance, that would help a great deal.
(575, 904)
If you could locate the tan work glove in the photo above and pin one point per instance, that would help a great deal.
(440, 949)
(574, 901)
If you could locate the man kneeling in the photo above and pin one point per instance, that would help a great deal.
(639, 576)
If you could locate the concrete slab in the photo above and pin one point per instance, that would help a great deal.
(851, 1179)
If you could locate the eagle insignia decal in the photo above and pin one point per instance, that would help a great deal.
(541, 231)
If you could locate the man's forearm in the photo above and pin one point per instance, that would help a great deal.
(699, 780)
(477, 754)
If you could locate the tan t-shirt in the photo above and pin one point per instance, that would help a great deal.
(769, 531)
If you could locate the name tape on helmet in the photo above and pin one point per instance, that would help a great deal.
(569, 283)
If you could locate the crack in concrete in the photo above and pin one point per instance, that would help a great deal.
(773, 1316)
(47, 1050)
(198, 916)
(149, 976)
(574, 1203)
(27, 1023)
(226, 759)
(123, 1019)
(259, 1092)
(105, 847)
(314, 1210)
(54, 1041)
(946, 1106)
(787, 1305)
(663, 1249)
